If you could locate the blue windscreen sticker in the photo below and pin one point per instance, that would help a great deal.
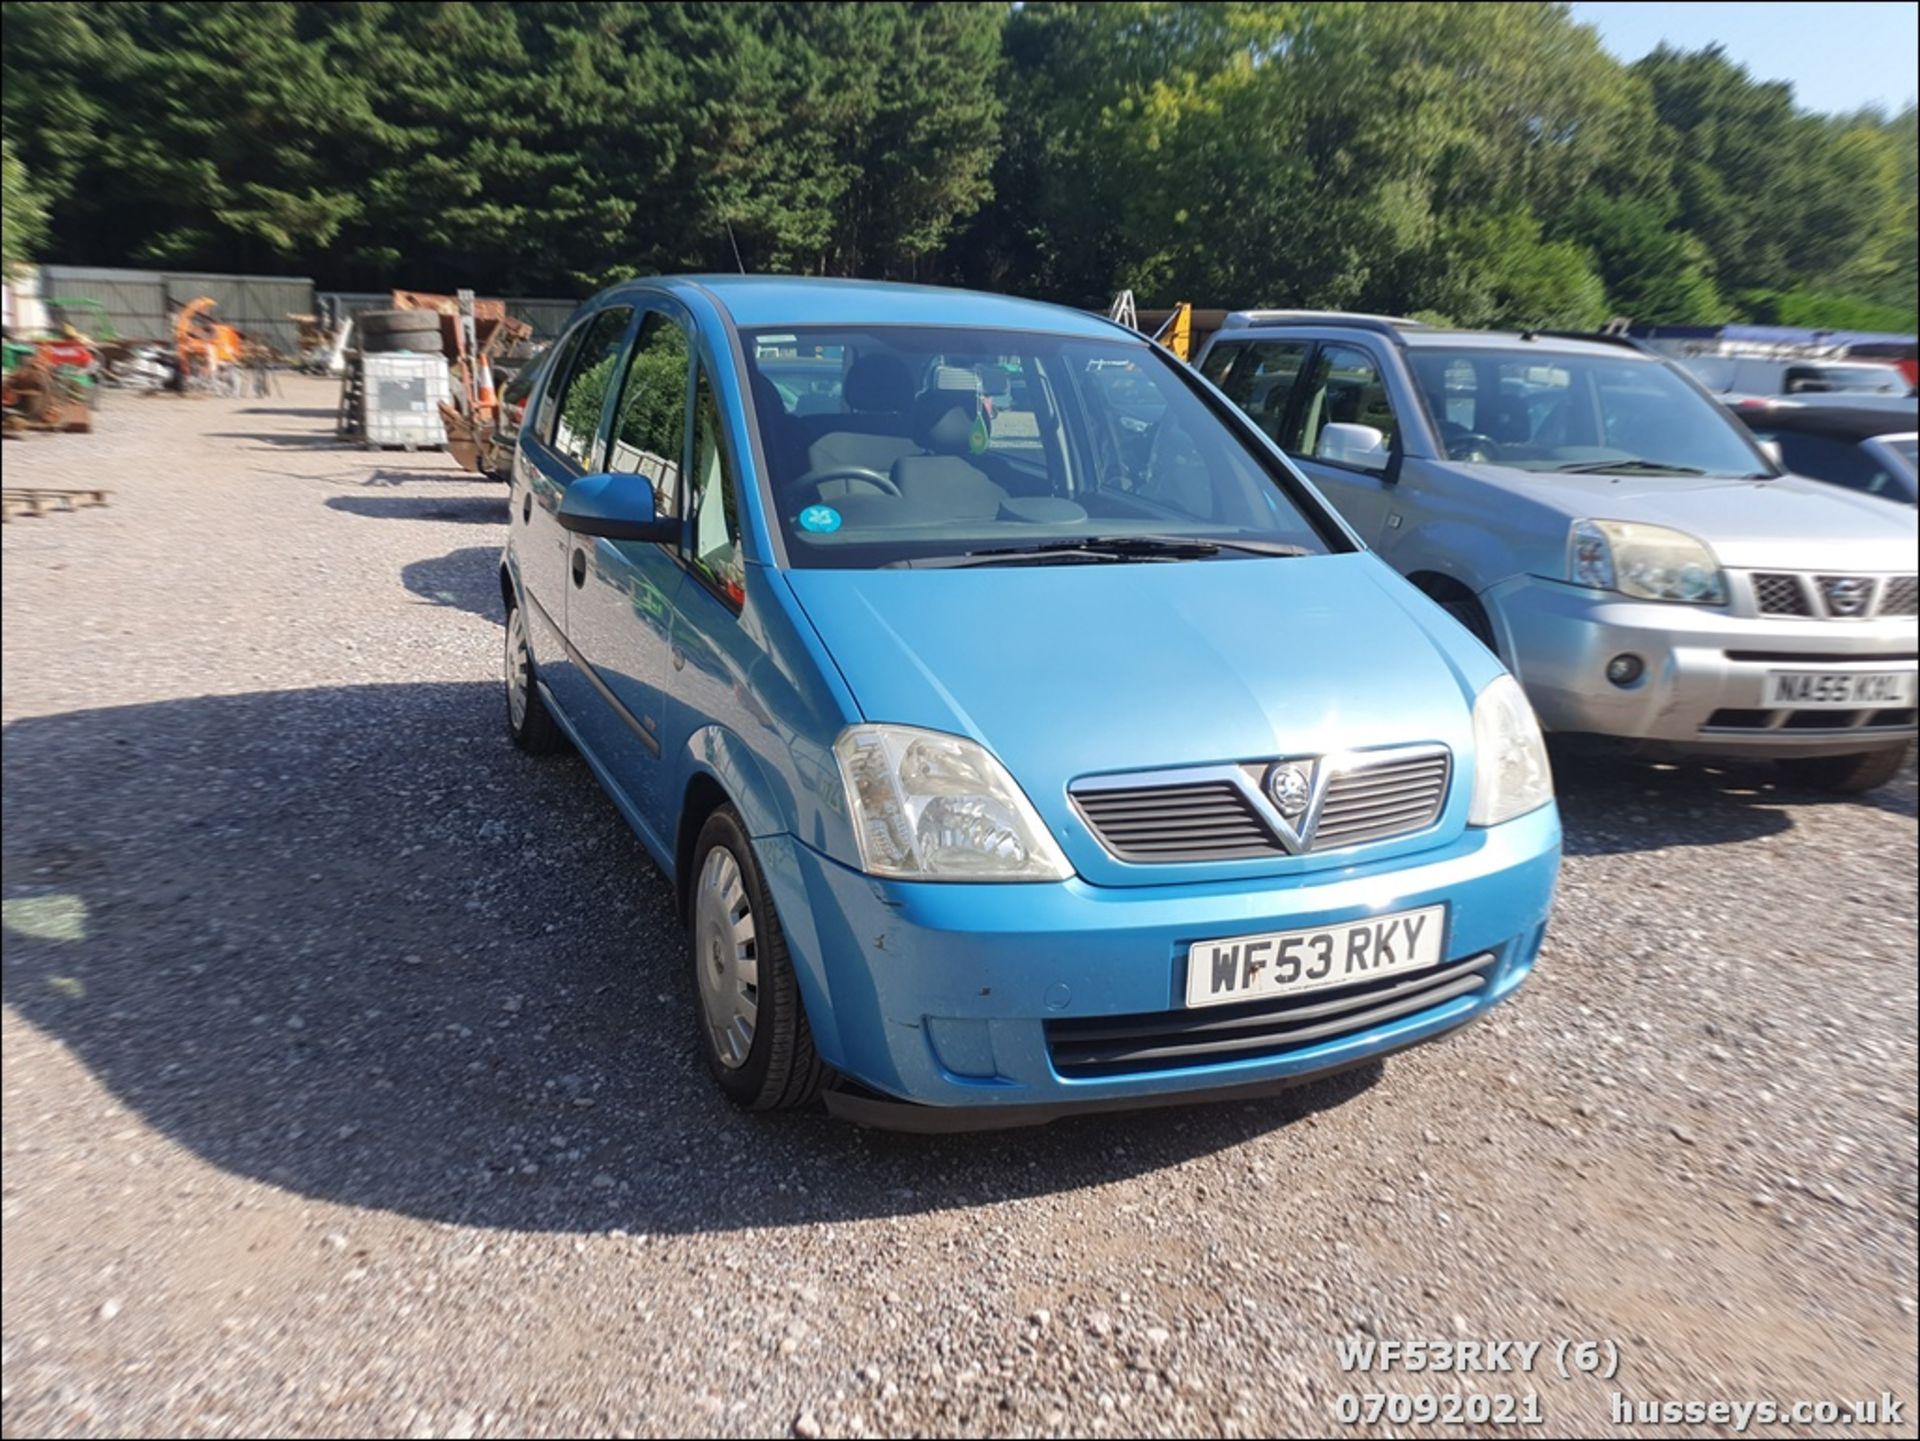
(820, 519)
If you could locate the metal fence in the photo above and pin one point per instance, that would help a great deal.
(140, 303)
(547, 317)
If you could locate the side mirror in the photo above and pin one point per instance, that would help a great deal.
(616, 507)
(1771, 450)
(1360, 446)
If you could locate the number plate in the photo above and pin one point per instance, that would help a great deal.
(1839, 689)
(1244, 968)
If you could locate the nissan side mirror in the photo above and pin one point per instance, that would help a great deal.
(616, 507)
(1360, 446)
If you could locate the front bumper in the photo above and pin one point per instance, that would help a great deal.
(1703, 686)
(942, 994)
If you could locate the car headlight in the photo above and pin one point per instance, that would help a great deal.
(1648, 562)
(934, 807)
(1510, 773)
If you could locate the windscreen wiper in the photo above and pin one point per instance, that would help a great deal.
(1626, 467)
(1106, 547)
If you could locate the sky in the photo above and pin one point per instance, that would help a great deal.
(1839, 56)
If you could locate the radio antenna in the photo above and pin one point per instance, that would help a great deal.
(736, 248)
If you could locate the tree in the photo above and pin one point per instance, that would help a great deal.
(23, 215)
(1652, 272)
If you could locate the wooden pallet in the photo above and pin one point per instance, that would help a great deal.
(29, 500)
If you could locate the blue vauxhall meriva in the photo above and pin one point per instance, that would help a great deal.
(1019, 731)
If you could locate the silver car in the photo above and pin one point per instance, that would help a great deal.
(1588, 511)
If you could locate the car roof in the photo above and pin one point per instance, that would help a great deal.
(1416, 335)
(759, 301)
(1842, 422)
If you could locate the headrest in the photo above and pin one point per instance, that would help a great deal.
(943, 422)
(766, 396)
(879, 382)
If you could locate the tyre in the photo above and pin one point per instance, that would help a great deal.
(528, 722)
(395, 322)
(752, 1027)
(419, 342)
(1473, 616)
(1847, 775)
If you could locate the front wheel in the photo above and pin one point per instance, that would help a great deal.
(753, 1029)
(1847, 775)
(528, 721)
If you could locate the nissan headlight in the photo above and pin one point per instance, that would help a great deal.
(933, 807)
(1648, 562)
(1510, 774)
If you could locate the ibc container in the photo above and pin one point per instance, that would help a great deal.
(402, 394)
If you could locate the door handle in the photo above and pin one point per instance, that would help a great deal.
(679, 658)
(526, 508)
(579, 567)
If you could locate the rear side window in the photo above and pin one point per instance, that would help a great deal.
(650, 430)
(1825, 458)
(570, 419)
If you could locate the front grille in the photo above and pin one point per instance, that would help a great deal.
(1776, 594)
(1213, 814)
(1387, 798)
(1760, 720)
(1095, 1046)
(1193, 822)
(1820, 720)
(1847, 597)
(1837, 597)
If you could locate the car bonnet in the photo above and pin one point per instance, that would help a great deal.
(1077, 670)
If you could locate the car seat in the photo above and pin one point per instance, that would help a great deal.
(875, 429)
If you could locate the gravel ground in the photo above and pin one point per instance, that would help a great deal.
(350, 1088)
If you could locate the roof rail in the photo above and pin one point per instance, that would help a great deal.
(1598, 337)
(1387, 325)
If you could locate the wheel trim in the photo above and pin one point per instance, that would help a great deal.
(726, 957)
(519, 669)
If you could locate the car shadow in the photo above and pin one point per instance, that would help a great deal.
(474, 509)
(350, 942)
(387, 477)
(1611, 804)
(281, 440)
(466, 579)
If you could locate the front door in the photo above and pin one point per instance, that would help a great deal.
(1344, 387)
(557, 449)
(621, 617)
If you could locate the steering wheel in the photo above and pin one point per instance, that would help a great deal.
(882, 483)
(1468, 445)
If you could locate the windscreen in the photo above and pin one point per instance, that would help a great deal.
(906, 445)
(1576, 414)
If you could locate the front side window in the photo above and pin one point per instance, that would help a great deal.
(713, 503)
(650, 428)
(581, 399)
(1219, 361)
(1346, 389)
(1263, 384)
(1576, 414)
(941, 443)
